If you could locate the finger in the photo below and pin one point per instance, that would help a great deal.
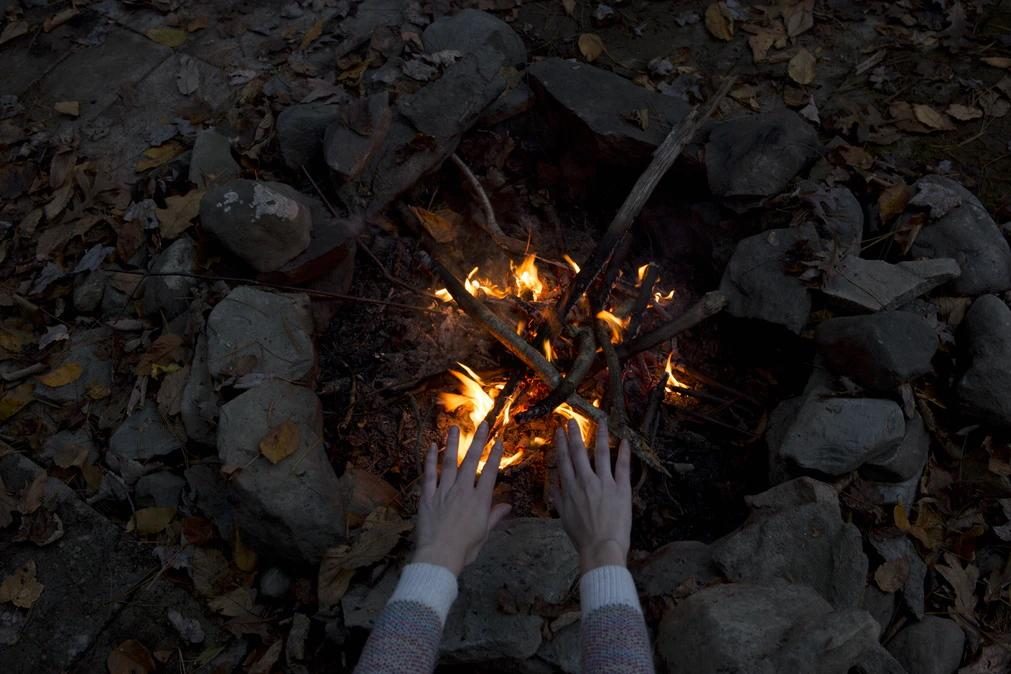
(565, 472)
(577, 450)
(602, 452)
(486, 483)
(468, 469)
(449, 460)
(431, 478)
(555, 494)
(622, 469)
(498, 513)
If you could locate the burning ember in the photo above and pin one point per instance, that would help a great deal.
(672, 382)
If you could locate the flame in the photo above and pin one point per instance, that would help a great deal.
(527, 278)
(617, 325)
(549, 353)
(475, 285)
(660, 299)
(572, 263)
(641, 272)
(584, 423)
(521, 325)
(477, 398)
(672, 381)
(443, 295)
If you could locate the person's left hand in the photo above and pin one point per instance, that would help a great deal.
(455, 514)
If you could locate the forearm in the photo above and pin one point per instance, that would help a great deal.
(408, 631)
(613, 632)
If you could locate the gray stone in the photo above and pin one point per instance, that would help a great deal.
(881, 606)
(469, 30)
(796, 533)
(840, 217)
(143, 436)
(208, 493)
(161, 489)
(170, 295)
(212, 160)
(763, 629)
(756, 283)
(881, 351)
(274, 583)
(525, 563)
(92, 350)
(907, 461)
(900, 547)
(70, 448)
(834, 436)
(88, 292)
(674, 564)
(363, 604)
(300, 130)
(961, 228)
(253, 331)
(369, 15)
(863, 285)
(563, 649)
(358, 130)
(513, 102)
(985, 388)
(198, 407)
(599, 123)
(292, 508)
(932, 646)
(758, 155)
(264, 224)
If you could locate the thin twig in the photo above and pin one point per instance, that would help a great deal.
(638, 309)
(502, 240)
(586, 351)
(711, 303)
(615, 392)
(390, 277)
(17, 375)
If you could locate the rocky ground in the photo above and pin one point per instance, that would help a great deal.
(220, 349)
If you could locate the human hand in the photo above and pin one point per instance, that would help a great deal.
(595, 507)
(454, 514)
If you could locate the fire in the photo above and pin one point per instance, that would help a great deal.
(616, 325)
(572, 263)
(476, 286)
(672, 381)
(641, 272)
(660, 299)
(477, 399)
(527, 278)
(549, 353)
(584, 423)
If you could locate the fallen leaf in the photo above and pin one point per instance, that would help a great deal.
(188, 77)
(892, 575)
(760, 45)
(14, 401)
(719, 21)
(238, 602)
(59, 201)
(33, 495)
(65, 374)
(153, 520)
(158, 156)
(441, 228)
(963, 113)
(963, 581)
(801, 67)
(129, 238)
(900, 517)
(892, 201)
(130, 657)
(197, 530)
(169, 37)
(311, 35)
(170, 393)
(12, 30)
(59, 19)
(178, 214)
(280, 442)
(243, 555)
(569, 6)
(997, 61)
(377, 538)
(71, 108)
(198, 23)
(21, 588)
(591, 46)
(265, 665)
(161, 352)
(799, 17)
(931, 118)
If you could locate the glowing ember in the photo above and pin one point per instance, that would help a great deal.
(672, 382)
(572, 263)
(584, 423)
(477, 399)
(526, 277)
(616, 325)
(641, 272)
(660, 299)
(549, 353)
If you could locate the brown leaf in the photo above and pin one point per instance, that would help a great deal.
(377, 538)
(997, 61)
(901, 517)
(178, 214)
(159, 156)
(439, 227)
(931, 118)
(170, 37)
(591, 46)
(61, 198)
(12, 30)
(719, 21)
(71, 108)
(569, 6)
(59, 19)
(199, 23)
(130, 657)
(151, 520)
(13, 401)
(963, 113)
(65, 374)
(893, 200)
(33, 494)
(243, 555)
(963, 581)
(801, 67)
(161, 352)
(265, 665)
(238, 602)
(799, 18)
(281, 441)
(907, 229)
(170, 393)
(892, 575)
(21, 588)
(311, 35)
(760, 45)
(197, 530)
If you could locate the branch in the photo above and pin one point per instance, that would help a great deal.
(711, 303)
(642, 299)
(614, 386)
(586, 347)
(502, 240)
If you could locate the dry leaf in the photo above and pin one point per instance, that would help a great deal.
(33, 495)
(801, 67)
(963, 581)
(901, 517)
(71, 108)
(265, 665)
(719, 21)
(893, 200)
(170, 37)
(761, 44)
(281, 441)
(238, 602)
(441, 228)
(59, 19)
(997, 61)
(178, 214)
(569, 6)
(311, 35)
(15, 400)
(799, 18)
(130, 657)
(243, 555)
(158, 156)
(591, 46)
(12, 30)
(963, 113)
(161, 352)
(892, 575)
(21, 588)
(151, 520)
(931, 118)
(198, 23)
(65, 374)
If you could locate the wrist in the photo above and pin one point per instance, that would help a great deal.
(603, 553)
(439, 556)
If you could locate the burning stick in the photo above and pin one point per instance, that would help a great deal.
(711, 303)
(649, 275)
(614, 387)
(586, 351)
(502, 240)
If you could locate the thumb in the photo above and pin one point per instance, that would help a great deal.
(498, 513)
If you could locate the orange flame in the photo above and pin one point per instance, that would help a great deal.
(572, 263)
(672, 381)
(584, 423)
(641, 272)
(616, 325)
(660, 299)
(549, 352)
(527, 278)
(477, 399)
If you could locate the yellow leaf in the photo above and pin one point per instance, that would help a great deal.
(170, 37)
(280, 442)
(130, 657)
(65, 374)
(178, 214)
(14, 401)
(590, 46)
(162, 352)
(931, 118)
(440, 228)
(997, 61)
(901, 517)
(719, 22)
(801, 67)
(893, 200)
(311, 35)
(151, 520)
(157, 156)
(71, 108)
(244, 556)
(21, 588)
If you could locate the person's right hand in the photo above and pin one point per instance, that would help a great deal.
(595, 506)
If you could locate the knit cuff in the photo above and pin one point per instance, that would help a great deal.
(428, 584)
(607, 586)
